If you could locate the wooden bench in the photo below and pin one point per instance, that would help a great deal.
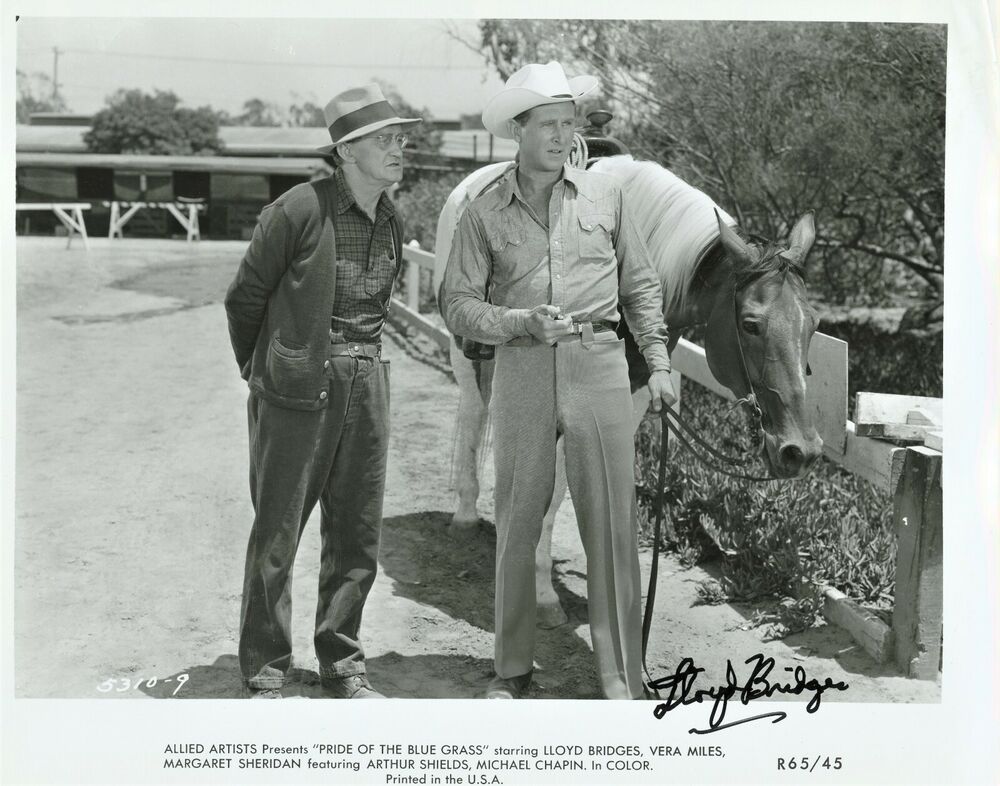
(69, 213)
(184, 210)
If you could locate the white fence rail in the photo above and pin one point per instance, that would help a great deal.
(912, 475)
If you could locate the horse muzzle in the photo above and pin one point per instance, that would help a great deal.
(792, 458)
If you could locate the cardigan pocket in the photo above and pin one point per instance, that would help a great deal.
(289, 370)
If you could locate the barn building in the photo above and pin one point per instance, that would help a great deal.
(257, 164)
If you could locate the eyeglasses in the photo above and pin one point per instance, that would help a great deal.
(384, 141)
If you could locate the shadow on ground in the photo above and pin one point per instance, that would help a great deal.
(824, 640)
(431, 564)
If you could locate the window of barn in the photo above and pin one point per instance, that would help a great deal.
(46, 184)
(236, 199)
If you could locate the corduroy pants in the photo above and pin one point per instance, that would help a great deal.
(581, 392)
(336, 456)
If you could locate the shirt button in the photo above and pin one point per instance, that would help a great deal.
(326, 364)
(322, 396)
(558, 275)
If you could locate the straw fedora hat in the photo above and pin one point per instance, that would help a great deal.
(531, 86)
(358, 112)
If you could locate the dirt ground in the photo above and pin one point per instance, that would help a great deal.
(132, 513)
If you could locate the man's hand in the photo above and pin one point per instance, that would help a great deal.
(661, 390)
(546, 323)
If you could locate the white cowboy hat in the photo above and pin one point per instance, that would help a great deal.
(531, 86)
(357, 112)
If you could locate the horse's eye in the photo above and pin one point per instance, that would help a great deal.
(751, 327)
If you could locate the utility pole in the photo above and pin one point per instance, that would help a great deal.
(55, 76)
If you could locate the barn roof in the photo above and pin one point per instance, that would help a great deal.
(224, 164)
(265, 141)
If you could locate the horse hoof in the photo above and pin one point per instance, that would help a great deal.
(549, 617)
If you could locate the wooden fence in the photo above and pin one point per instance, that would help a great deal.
(912, 475)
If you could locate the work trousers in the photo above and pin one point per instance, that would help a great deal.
(338, 457)
(582, 392)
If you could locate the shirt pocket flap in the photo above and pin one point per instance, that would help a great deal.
(591, 222)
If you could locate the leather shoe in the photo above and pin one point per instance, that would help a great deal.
(356, 686)
(508, 687)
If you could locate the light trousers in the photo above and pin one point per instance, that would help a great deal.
(582, 393)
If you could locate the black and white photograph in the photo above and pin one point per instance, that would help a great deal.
(497, 364)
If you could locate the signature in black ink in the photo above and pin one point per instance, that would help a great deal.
(682, 692)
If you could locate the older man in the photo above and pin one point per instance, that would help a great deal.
(539, 266)
(305, 313)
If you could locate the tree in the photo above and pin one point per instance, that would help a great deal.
(306, 114)
(136, 122)
(773, 118)
(424, 138)
(34, 95)
(257, 112)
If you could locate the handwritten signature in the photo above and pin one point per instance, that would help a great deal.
(681, 689)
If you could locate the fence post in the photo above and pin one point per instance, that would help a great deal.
(916, 618)
(413, 282)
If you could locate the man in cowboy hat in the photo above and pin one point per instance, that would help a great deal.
(305, 314)
(539, 267)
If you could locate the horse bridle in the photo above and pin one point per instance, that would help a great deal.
(671, 421)
(687, 435)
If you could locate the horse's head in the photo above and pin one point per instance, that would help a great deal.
(757, 342)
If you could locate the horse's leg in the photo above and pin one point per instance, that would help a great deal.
(472, 411)
(550, 613)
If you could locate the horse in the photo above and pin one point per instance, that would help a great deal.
(748, 293)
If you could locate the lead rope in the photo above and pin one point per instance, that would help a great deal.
(661, 479)
(666, 426)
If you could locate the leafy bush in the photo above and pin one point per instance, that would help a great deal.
(420, 201)
(906, 362)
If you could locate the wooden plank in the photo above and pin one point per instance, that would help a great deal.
(826, 391)
(400, 313)
(874, 636)
(900, 432)
(412, 286)
(897, 417)
(867, 458)
(52, 205)
(935, 440)
(916, 619)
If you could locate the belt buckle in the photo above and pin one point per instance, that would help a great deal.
(577, 329)
(353, 349)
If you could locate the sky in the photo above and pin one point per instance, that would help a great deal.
(224, 62)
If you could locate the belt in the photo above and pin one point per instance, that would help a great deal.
(582, 331)
(356, 349)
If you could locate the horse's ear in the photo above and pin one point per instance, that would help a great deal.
(802, 237)
(732, 242)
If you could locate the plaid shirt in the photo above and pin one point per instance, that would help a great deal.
(366, 267)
